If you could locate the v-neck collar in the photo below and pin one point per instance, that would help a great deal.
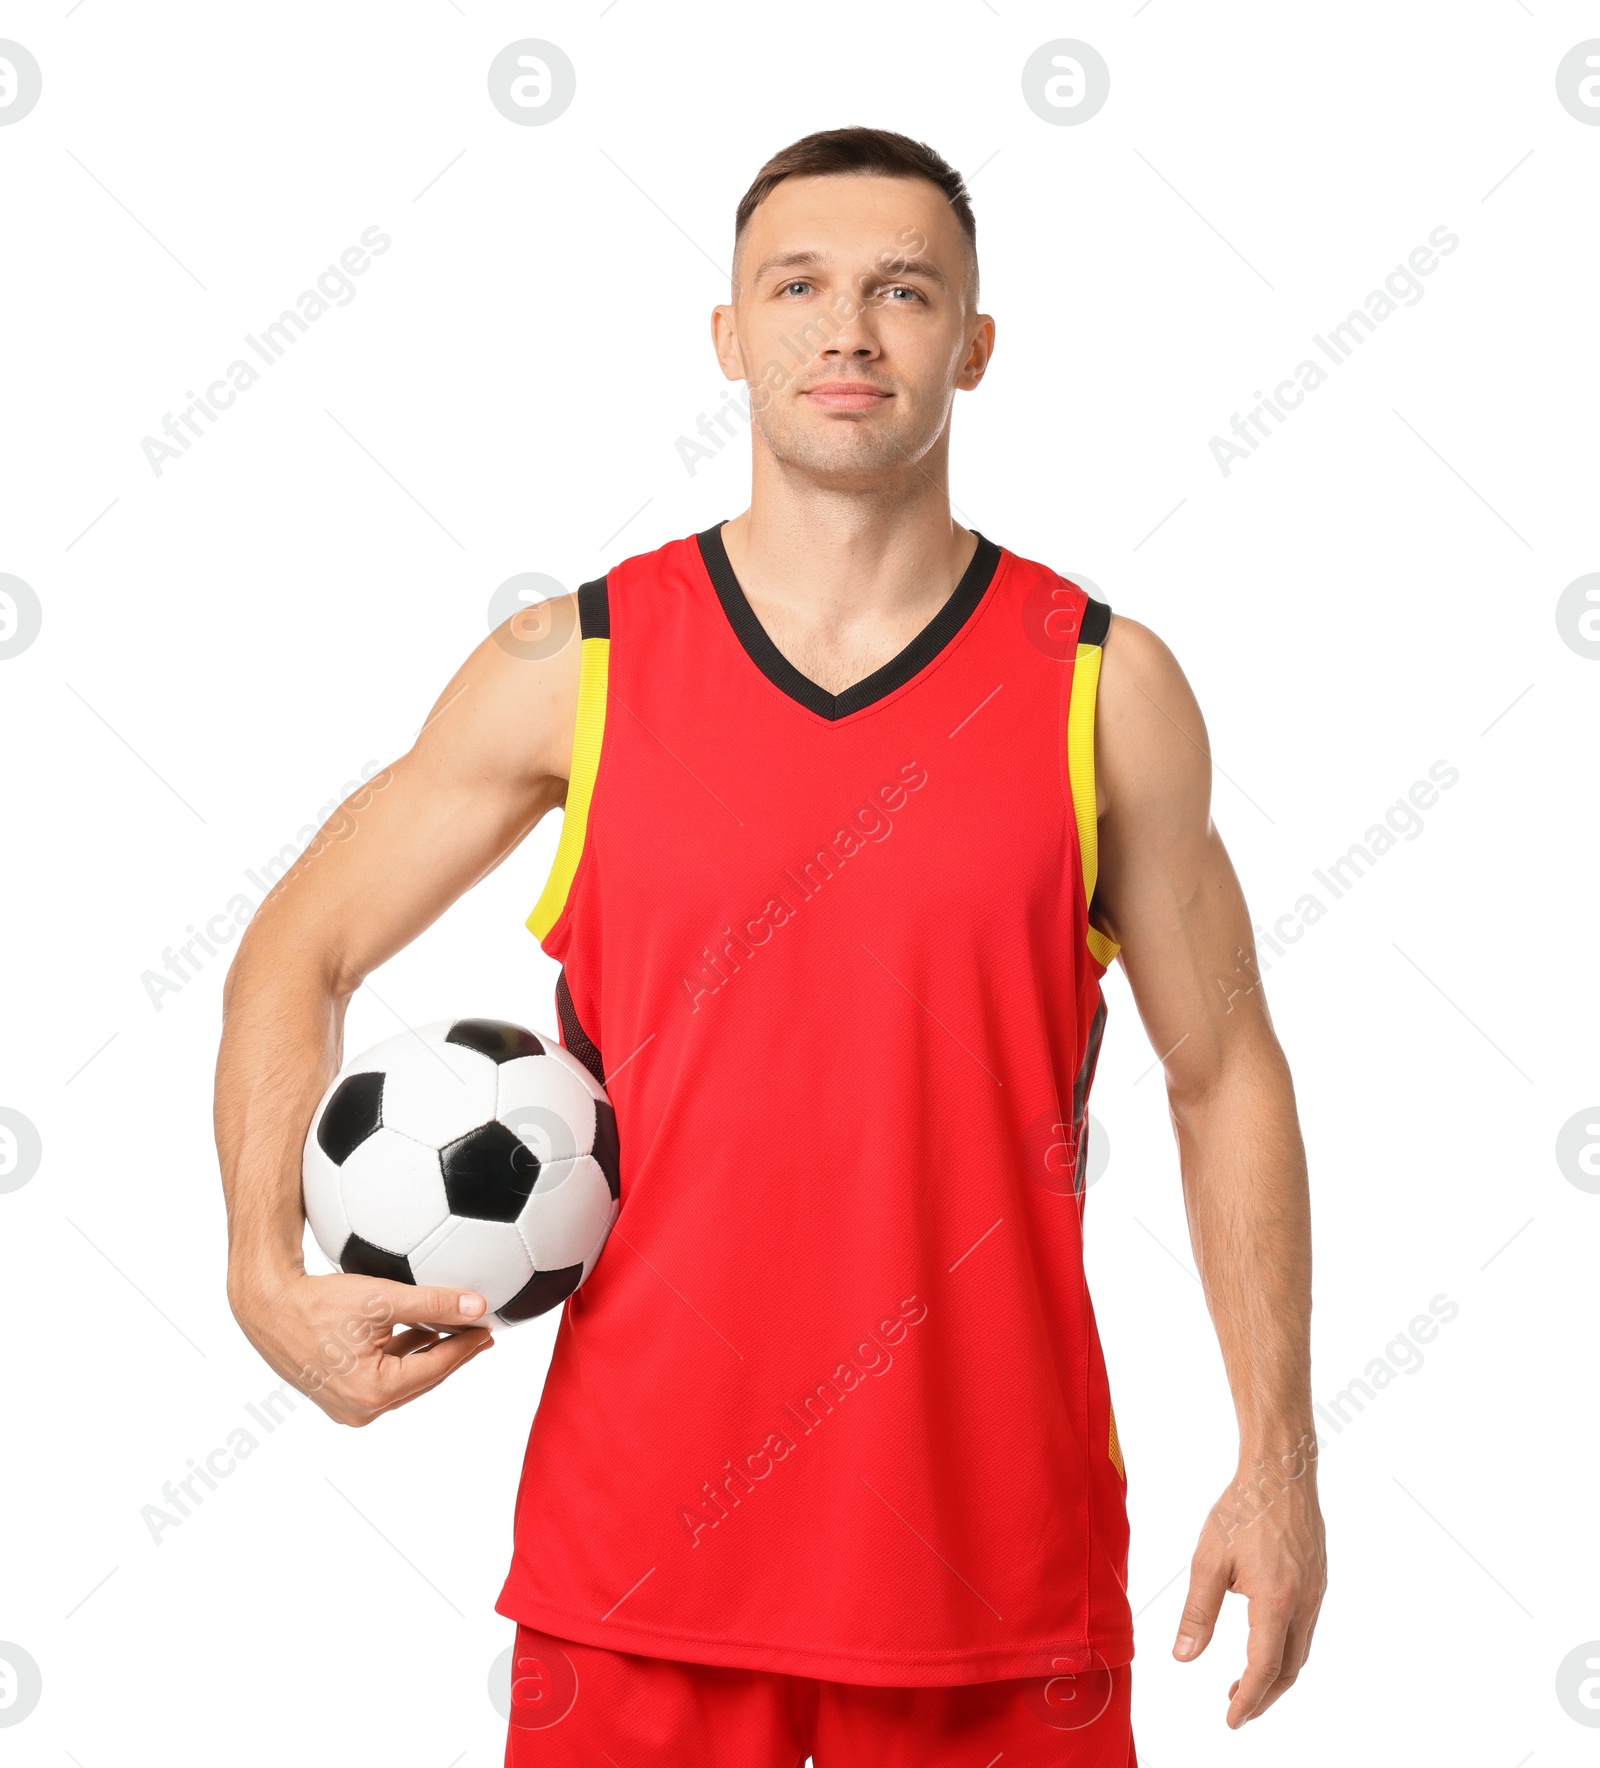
(921, 651)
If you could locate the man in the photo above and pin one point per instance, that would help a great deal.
(859, 806)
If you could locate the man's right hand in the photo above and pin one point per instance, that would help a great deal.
(359, 1346)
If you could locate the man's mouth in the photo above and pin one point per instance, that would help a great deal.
(846, 396)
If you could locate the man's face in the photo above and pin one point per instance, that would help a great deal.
(856, 283)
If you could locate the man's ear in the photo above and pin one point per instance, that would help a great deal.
(725, 341)
(980, 350)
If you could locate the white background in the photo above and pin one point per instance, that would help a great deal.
(226, 645)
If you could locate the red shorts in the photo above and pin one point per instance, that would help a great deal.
(581, 1706)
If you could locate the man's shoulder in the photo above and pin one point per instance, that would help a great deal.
(671, 561)
(1135, 653)
(1149, 733)
(1038, 575)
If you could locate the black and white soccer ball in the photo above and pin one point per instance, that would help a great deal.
(472, 1154)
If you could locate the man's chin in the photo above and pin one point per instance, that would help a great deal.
(843, 457)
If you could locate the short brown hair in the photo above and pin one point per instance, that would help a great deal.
(879, 151)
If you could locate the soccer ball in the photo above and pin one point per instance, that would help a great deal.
(472, 1154)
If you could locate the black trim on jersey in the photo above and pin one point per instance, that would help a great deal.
(1096, 623)
(594, 609)
(574, 1039)
(1081, 1085)
(899, 669)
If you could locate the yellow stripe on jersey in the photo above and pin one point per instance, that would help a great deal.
(1116, 1450)
(1102, 949)
(1080, 775)
(588, 730)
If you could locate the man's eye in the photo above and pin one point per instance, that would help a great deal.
(791, 286)
(902, 289)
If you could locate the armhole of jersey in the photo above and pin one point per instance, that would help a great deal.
(1092, 630)
(594, 625)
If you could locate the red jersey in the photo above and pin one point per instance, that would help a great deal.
(833, 1400)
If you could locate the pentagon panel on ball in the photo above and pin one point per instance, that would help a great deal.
(470, 1153)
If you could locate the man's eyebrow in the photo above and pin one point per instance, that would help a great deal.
(788, 261)
(891, 266)
(924, 267)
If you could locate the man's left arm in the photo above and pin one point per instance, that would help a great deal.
(1167, 893)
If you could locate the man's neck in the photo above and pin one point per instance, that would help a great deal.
(842, 583)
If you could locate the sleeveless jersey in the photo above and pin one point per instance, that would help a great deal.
(833, 1400)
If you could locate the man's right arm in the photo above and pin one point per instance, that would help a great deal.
(493, 757)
